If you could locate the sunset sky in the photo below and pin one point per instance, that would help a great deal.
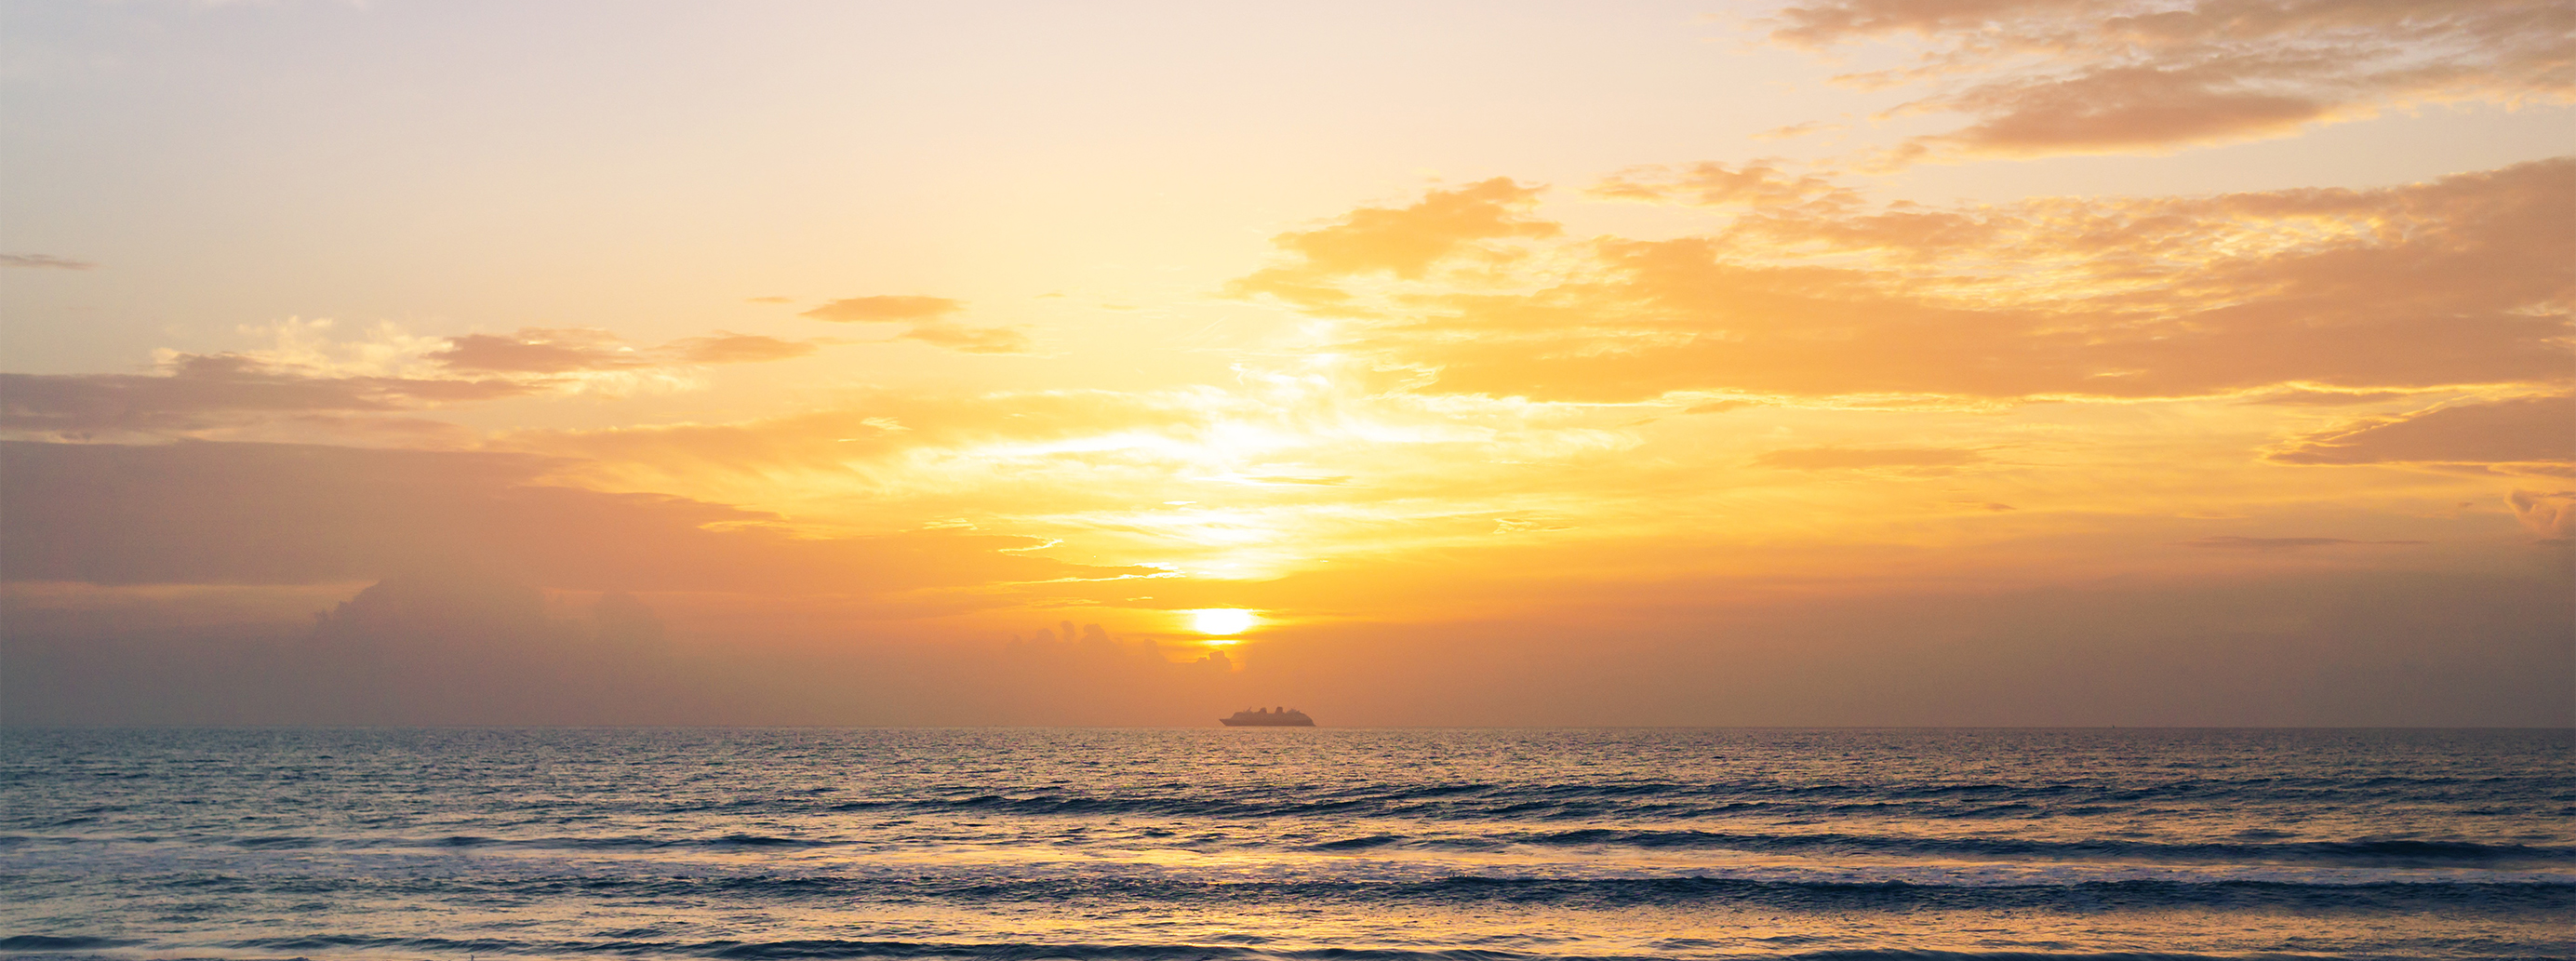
(1864, 362)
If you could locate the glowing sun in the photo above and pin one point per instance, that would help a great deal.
(1221, 621)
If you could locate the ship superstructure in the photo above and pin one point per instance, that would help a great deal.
(1268, 717)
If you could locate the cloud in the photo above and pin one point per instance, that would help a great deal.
(972, 340)
(1799, 130)
(1851, 458)
(924, 314)
(2522, 430)
(883, 308)
(44, 260)
(2040, 77)
(343, 389)
(2281, 543)
(1709, 184)
(2551, 515)
(731, 348)
(536, 350)
(198, 392)
(1402, 242)
(198, 512)
(539, 350)
(2466, 280)
(1719, 406)
(2327, 398)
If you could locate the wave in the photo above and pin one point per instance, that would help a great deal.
(1482, 801)
(2450, 899)
(2391, 853)
(30, 943)
(2352, 853)
(1242, 948)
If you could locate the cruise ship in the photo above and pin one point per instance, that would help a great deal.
(1268, 717)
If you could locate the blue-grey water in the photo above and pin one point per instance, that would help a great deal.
(469, 844)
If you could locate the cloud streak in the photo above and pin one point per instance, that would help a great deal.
(44, 260)
(194, 393)
(926, 320)
(2041, 77)
(2233, 543)
(2535, 431)
(201, 513)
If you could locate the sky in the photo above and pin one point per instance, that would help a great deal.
(1817, 362)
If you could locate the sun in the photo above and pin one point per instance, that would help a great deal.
(1221, 621)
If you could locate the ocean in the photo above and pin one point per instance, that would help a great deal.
(463, 844)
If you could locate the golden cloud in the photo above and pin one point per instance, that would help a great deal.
(885, 308)
(924, 315)
(972, 340)
(2467, 280)
(2550, 514)
(2096, 76)
(2536, 431)
(1403, 242)
(197, 512)
(1710, 184)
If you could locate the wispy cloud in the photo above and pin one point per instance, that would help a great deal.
(2231, 543)
(2536, 431)
(927, 324)
(332, 386)
(44, 260)
(2040, 77)
(537, 350)
(885, 308)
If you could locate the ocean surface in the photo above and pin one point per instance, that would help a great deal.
(1353, 845)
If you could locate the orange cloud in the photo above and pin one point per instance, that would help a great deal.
(2095, 76)
(2231, 543)
(197, 512)
(2539, 431)
(1402, 242)
(972, 340)
(2301, 397)
(2461, 281)
(885, 308)
(1710, 184)
(924, 315)
(2551, 515)
(725, 347)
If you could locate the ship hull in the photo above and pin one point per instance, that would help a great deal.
(1298, 722)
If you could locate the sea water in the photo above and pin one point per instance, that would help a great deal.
(467, 844)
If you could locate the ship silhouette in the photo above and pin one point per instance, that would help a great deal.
(1268, 717)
